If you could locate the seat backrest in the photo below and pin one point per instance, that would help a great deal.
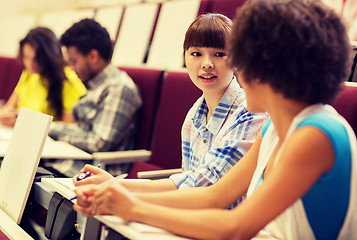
(13, 28)
(346, 104)
(353, 74)
(10, 71)
(166, 48)
(205, 7)
(177, 97)
(134, 34)
(60, 21)
(149, 82)
(109, 17)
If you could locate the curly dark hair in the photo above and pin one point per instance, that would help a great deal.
(87, 34)
(51, 64)
(299, 47)
(208, 30)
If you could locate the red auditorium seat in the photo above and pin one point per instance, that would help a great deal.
(205, 7)
(227, 7)
(346, 105)
(177, 97)
(149, 82)
(10, 71)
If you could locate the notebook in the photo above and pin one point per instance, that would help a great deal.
(21, 159)
(63, 186)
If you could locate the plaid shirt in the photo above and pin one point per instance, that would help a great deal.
(210, 149)
(105, 116)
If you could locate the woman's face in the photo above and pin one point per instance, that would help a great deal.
(208, 69)
(29, 58)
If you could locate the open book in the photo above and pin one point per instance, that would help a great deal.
(66, 188)
(63, 186)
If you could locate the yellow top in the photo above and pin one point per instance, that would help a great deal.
(32, 91)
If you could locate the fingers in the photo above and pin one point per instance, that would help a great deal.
(84, 199)
(86, 212)
(8, 118)
(82, 182)
(86, 191)
(91, 168)
(110, 199)
(96, 176)
(113, 199)
(8, 123)
(103, 199)
(84, 194)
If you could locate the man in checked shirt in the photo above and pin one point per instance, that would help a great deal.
(105, 118)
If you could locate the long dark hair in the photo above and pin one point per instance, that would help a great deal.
(49, 57)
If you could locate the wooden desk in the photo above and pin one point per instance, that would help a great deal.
(11, 229)
(52, 149)
(132, 230)
(91, 227)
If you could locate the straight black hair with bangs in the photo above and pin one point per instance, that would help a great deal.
(208, 30)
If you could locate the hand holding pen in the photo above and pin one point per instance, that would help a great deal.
(91, 175)
(85, 174)
(90, 196)
(113, 180)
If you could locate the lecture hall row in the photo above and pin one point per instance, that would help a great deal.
(145, 33)
(161, 82)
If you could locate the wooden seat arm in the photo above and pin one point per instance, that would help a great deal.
(120, 157)
(158, 173)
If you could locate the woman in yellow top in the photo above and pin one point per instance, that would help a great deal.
(45, 84)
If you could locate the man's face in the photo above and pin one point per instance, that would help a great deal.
(80, 63)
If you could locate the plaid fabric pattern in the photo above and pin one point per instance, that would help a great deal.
(106, 116)
(210, 149)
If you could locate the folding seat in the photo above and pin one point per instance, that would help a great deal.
(166, 50)
(60, 21)
(178, 94)
(149, 82)
(346, 104)
(13, 28)
(134, 34)
(10, 71)
(110, 18)
(227, 7)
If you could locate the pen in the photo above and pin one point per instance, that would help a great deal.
(122, 176)
(85, 174)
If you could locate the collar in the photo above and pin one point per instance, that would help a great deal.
(221, 112)
(100, 77)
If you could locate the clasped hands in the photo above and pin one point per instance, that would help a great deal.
(110, 199)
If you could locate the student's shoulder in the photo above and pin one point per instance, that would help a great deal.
(330, 126)
(123, 86)
(322, 121)
(118, 78)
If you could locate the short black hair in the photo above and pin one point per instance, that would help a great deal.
(299, 47)
(87, 34)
